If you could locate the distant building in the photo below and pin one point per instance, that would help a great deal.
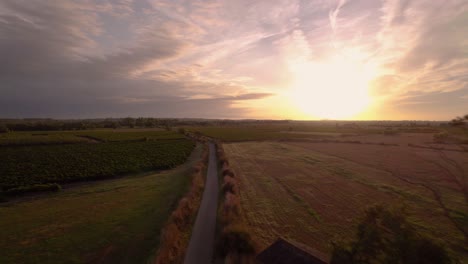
(283, 252)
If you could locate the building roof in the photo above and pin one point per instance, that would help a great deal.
(283, 252)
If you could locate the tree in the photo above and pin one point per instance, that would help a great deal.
(459, 121)
(385, 236)
(140, 122)
(129, 122)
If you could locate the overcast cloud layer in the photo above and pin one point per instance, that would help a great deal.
(226, 59)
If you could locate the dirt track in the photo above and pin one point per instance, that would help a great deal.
(200, 249)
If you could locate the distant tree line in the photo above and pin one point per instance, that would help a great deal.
(7, 125)
(38, 124)
(459, 121)
(47, 124)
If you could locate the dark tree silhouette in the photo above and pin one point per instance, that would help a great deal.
(385, 236)
(459, 121)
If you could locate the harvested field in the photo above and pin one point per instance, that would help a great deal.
(313, 192)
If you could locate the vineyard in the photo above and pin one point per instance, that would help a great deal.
(42, 164)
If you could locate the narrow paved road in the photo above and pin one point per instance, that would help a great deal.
(200, 249)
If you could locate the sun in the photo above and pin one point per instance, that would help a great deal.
(336, 89)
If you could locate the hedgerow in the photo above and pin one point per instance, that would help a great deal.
(234, 242)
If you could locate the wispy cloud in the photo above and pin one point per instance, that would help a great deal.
(333, 15)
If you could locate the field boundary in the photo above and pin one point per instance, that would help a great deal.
(234, 241)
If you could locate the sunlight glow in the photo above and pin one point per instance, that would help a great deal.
(336, 89)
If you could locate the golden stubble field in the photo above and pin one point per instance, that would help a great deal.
(313, 193)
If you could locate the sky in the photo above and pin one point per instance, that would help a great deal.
(272, 59)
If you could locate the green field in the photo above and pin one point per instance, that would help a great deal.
(114, 221)
(38, 164)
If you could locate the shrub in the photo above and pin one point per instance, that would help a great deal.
(227, 172)
(229, 185)
(231, 206)
(235, 239)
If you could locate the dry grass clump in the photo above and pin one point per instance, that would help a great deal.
(234, 242)
(174, 240)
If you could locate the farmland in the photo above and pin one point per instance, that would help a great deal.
(116, 220)
(314, 192)
(267, 132)
(112, 221)
(306, 182)
(299, 130)
(29, 165)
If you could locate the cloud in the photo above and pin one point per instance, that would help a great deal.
(47, 68)
(422, 51)
(333, 15)
(250, 96)
(157, 57)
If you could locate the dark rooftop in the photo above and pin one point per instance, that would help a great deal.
(283, 252)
